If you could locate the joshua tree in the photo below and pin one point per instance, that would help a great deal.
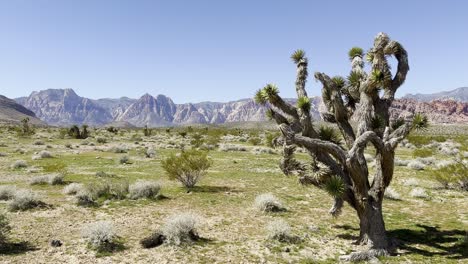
(340, 168)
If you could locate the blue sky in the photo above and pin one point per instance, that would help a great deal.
(217, 50)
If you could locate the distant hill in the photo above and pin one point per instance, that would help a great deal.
(12, 112)
(459, 94)
(63, 107)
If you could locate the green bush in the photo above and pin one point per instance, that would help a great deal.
(187, 167)
(5, 229)
(255, 141)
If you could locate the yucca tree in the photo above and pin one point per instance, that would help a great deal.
(340, 168)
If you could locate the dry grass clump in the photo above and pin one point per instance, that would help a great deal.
(53, 179)
(24, 200)
(262, 150)
(73, 188)
(38, 143)
(181, 228)
(280, 230)
(416, 165)
(267, 202)
(124, 160)
(144, 189)
(231, 147)
(419, 193)
(19, 164)
(411, 182)
(150, 153)
(392, 194)
(7, 192)
(401, 162)
(118, 149)
(90, 194)
(100, 236)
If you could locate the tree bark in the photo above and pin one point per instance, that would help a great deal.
(372, 226)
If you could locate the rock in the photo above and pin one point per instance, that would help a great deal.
(56, 243)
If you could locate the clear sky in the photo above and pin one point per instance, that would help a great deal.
(217, 50)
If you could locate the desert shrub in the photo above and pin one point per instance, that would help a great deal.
(391, 194)
(187, 167)
(419, 192)
(101, 140)
(74, 132)
(267, 202)
(255, 141)
(7, 192)
(43, 155)
(112, 129)
(5, 229)
(454, 175)
(262, 150)
(416, 165)
(144, 189)
(279, 230)
(68, 145)
(423, 152)
(197, 140)
(124, 160)
(147, 131)
(230, 147)
(73, 188)
(150, 153)
(24, 200)
(102, 174)
(26, 128)
(119, 149)
(84, 198)
(411, 182)
(400, 162)
(38, 143)
(118, 190)
(180, 228)
(3, 154)
(19, 164)
(53, 179)
(100, 236)
(427, 160)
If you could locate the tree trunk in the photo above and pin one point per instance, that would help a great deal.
(372, 226)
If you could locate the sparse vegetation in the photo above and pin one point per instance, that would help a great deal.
(181, 228)
(144, 189)
(101, 236)
(267, 202)
(24, 200)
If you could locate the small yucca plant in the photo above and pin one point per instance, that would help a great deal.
(355, 51)
(298, 55)
(329, 134)
(335, 186)
(304, 104)
(420, 122)
(339, 81)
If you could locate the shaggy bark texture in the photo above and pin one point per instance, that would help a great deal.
(341, 168)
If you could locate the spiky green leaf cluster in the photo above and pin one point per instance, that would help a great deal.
(339, 81)
(397, 123)
(377, 76)
(370, 56)
(304, 104)
(335, 186)
(260, 98)
(328, 133)
(355, 51)
(420, 122)
(377, 122)
(298, 55)
(268, 93)
(354, 78)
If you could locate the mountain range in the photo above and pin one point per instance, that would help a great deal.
(63, 107)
